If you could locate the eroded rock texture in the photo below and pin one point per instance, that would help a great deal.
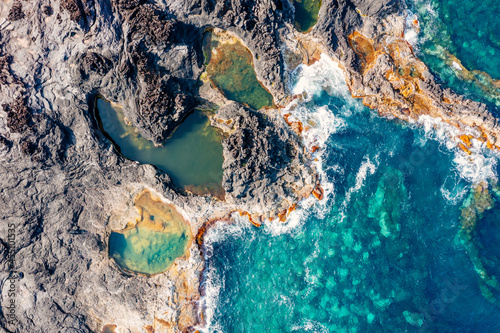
(367, 38)
(265, 167)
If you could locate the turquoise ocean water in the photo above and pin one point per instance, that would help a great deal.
(468, 30)
(382, 252)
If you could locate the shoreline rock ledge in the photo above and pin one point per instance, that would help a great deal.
(64, 189)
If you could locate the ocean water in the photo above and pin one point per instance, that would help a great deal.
(383, 252)
(460, 42)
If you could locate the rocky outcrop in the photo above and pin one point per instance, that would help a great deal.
(16, 12)
(80, 11)
(266, 167)
(64, 188)
(260, 25)
(367, 38)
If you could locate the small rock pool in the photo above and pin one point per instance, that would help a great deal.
(192, 157)
(151, 244)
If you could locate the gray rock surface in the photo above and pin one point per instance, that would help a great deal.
(265, 164)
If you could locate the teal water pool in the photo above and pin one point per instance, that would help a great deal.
(230, 68)
(192, 157)
(150, 245)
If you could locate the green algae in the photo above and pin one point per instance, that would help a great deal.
(306, 13)
(230, 68)
(192, 157)
(151, 246)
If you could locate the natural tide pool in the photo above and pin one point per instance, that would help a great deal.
(306, 13)
(230, 68)
(151, 244)
(192, 157)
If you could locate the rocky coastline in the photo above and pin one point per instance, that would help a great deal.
(65, 189)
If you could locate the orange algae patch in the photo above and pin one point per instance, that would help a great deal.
(252, 220)
(151, 244)
(282, 216)
(405, 77)
(109, 328)
(318, 192)
(296, 125)
(364, 48)
(207, 225)
(466, 139)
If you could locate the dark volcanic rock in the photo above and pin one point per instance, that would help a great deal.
(5, 145)
(94, 63)
(161, 62)
(16, 12)
(5, 74)
(47, 10)
(260, 25)
(127, 4)
(81, 11)
(263, 161)
(18, 115)
(162, 110)
(150, 21)
(378, 8)
(31, 149)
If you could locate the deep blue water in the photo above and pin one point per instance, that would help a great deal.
(380, 254)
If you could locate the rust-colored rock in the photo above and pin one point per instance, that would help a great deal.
(318, 192)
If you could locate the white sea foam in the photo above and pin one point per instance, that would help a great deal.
(310, 326)
(411, 30)
(475, 167)
(452, 190)
(213, 281)
(416, 35)
(321, 122)
(366, 167)
(324, 75)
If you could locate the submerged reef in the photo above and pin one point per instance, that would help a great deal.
(66, 189)
(481, 200)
